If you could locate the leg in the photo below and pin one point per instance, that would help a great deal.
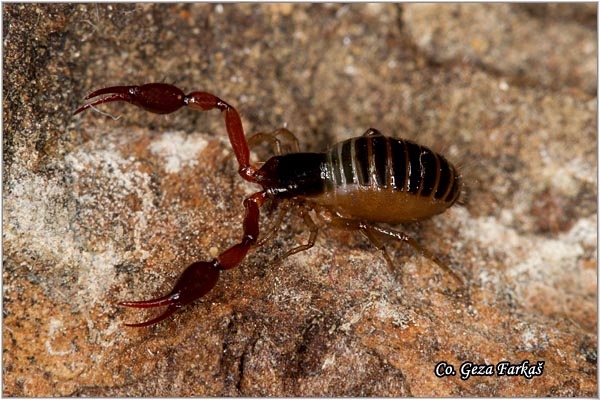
(200, 277)
(311, 239)
(370, 230)
(415, 245)
(294, 145)
(365, 229)
(283, 210)
(259, 137)
(162, 98)
(372, 132)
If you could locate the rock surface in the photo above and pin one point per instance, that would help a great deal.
(98, 210)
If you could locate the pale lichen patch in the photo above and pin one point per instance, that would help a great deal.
(178, 150)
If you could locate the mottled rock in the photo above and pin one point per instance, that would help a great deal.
(98, 210)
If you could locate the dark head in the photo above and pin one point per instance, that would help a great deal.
(295, 174)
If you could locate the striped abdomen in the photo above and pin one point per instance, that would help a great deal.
(383, 179)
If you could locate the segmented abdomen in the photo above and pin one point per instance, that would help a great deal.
(401, 176)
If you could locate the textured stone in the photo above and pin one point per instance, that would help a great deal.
(98, 210)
